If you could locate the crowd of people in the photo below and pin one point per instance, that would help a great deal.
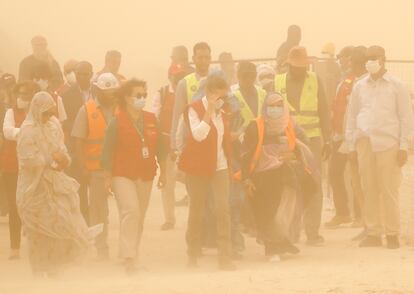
(250, 143)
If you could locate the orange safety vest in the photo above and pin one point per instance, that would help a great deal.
(260, 123)
(94, 142)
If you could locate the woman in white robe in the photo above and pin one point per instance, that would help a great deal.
(47, 199)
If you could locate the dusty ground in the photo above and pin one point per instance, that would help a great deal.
(338, 267)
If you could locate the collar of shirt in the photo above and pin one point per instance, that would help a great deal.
(386, 77)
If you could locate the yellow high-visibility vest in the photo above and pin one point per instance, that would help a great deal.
(192, 86)
(307, 116)
(245, 111)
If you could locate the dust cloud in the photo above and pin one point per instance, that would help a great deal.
(145, 31)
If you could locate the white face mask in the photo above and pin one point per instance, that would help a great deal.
(22, 104)
(275, 112)
(265, 82)
(139, 103)
(373, 66)
(71, 78)
(219, 104)
(43, 84)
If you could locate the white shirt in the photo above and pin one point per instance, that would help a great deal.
(200, 130)
(380, 110)
(62, 116)
(10, 131)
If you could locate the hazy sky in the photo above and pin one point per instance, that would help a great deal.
(145, 31)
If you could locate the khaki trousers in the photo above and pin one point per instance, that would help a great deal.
(132, 199)
(380, 179)
(199, 189)
(168, 192)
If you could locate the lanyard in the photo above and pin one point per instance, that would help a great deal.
(140, 131)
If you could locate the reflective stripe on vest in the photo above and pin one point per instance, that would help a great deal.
(192, 86)
(260, 123)
(246, 112)
(94, 141)
(307, 117)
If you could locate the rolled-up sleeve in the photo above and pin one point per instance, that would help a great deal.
(405, 115)
(10, 131)
(199, 129)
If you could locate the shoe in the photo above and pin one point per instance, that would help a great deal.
(236, 255)
(14, 254)
(315, 241)
(130, 267)
(167, 226)
(226, 265)
(274, 259)
(360, 236)
(103, 255)
(357, 223)
(192, 262)
(291, 249)
(336, 221)
(183, 202)
(371, 241)
(393, 242)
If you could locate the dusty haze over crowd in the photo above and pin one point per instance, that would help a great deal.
(145, 31)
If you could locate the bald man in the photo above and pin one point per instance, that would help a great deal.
(40, 53)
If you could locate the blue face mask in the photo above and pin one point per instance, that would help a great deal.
(139, 103)
(275, 112)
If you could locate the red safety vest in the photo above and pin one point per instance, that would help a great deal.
(8, 154)
(200, 158)
(128, 161)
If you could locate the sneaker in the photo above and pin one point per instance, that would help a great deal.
(14, 254)
(167, 226)
(360, 236)
(183, 202)
(371, 241)
(357, 223)
(274, 259)
(130, 267)
(192, 262)
(236, 255)
(226, 265)
(291, 249)
(393, 242)
(315, 241)
(336, 221)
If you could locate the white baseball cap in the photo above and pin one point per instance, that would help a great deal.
(107, 81)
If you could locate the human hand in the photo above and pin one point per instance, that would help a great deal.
(249, 187)
(402, 157)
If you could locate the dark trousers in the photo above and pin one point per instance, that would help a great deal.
(265, 203)
(236, 202)
(337, 177)
(10, 186)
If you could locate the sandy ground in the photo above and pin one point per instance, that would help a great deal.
(338, 267)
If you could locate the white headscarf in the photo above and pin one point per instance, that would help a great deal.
(279, 125)
(51, 130)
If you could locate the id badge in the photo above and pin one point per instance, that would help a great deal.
(145, 152)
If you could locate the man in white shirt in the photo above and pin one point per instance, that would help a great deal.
(379, 129)
(205, 160)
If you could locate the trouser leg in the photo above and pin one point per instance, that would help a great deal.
(10, 184)
(168, 193)
(369, 181)
(221, 191)
(337, 177)
(313, 209)
(98, 208)
(198, 189)
(389, 179)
